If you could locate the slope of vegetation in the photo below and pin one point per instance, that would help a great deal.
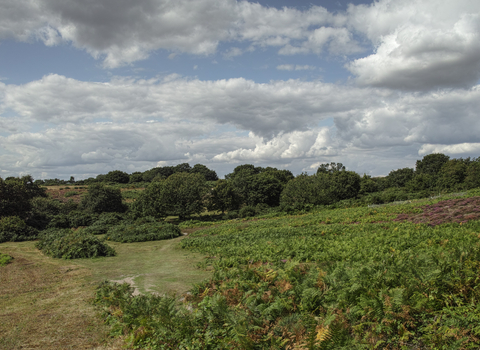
(342, 279)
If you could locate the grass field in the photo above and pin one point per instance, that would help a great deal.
(46, 303)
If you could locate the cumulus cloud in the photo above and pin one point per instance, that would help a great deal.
(266, 109)
(418, 45)
(121, 32)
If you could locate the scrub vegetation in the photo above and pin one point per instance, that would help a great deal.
(333, 260)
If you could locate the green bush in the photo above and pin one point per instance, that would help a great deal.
(42, 211)
(73, 219)
(5, 259)
(70, 194)
(104, 222)
(14, 229)
(67, 244)
(247, 211)
(142, 232)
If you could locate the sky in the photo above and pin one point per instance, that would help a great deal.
(91, 86)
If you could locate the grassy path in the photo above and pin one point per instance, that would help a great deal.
(45, 303)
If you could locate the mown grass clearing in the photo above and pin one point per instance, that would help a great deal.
(46, 303)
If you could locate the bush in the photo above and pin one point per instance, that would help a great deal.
(42, 212)
(247, 211)
(101, 199)
(104, 222)
(5, 259)
(67, 244)
(232, 214)
(135, 232)
(73, 219)
(14, 229)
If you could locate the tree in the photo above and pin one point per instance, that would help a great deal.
(15, 195)
(117, 176)
(451, 174)
(330, 168)
(208, 174)
(136, 177)
(344, 185)
(223, 197)
(152, 201)
(431, 164)
(398, 178)
(184, 193)
(102, 199)
(472, 178)
(367, 185)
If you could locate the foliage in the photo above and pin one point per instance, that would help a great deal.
(472, 176)
(68, 244)
(431, 164)
(208, 174)
(15, 195)
(5, 259)
(137, 232)
(222, 197)
(73, 219)
(247, 211)
(332, 279)
(398, 178)
(14, 229)
(103, 223)
(330, 168)
(451, 174)
(42, 211)
(117, 176)
(101, 198)
(181, 194)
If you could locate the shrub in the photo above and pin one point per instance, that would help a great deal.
(14, 229)
(67, 244)
(103, 223)
(5, 259)
(232, 214)
(43, 210)
(70, 194)
(135, 232)
(246, 212)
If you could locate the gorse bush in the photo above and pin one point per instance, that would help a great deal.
(142, 232)
(14, 229)
(68, 244)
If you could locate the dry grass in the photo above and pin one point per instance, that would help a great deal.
(46, 303)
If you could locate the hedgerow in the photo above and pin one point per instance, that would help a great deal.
(68, 244)
(142, 232)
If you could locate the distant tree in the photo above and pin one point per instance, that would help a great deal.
(100, 178)
(243, 170)
(330, 168)
(344, 185)
(182, 168)
(208, 174)
(117, 176)
(472, 178)
(398, 178)
(136, 177)
(421, 182)
(223, 197)
(301, 190)
(15, 195)
(152, 201)
(184, 193)
(431, 164)
(451, 174)
(72, 180)
(367, 185)
(102, 199)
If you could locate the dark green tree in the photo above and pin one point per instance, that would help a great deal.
(15, 195)
(117, 176)
(223, 197)
(431, 164)
(472, 178)
(184, 194)
(398, 178)
(208, 174)
(367, 184)
(330, 168)
(451, 174)
(102, 199)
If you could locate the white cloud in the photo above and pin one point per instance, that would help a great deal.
(121, 32)
(418, 45)
(295, 67)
